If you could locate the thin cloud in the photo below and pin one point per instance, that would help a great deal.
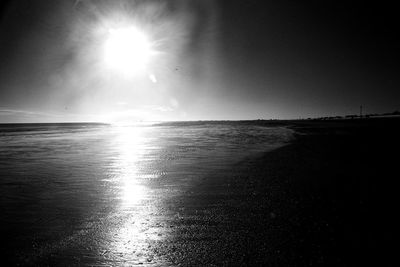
(6, 111)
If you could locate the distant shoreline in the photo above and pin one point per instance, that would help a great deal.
(261, 122)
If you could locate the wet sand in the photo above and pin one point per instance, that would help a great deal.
(325, 199)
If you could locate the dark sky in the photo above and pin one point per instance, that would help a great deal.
(215, 60)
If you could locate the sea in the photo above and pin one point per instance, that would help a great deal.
(84, 191)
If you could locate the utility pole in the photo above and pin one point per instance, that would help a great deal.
(361, 111)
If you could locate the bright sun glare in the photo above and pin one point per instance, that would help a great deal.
(127, 50)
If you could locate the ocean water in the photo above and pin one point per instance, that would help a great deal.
(98, 193)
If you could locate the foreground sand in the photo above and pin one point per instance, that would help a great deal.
(326, 199)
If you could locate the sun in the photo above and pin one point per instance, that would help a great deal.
(127, 50)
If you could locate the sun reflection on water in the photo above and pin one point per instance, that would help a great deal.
(131, 146)
(136, 228)
(132, 193)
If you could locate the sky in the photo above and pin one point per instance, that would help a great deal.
(208, 60)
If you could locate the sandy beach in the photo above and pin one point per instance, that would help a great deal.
(326, 198)
(199, 133)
